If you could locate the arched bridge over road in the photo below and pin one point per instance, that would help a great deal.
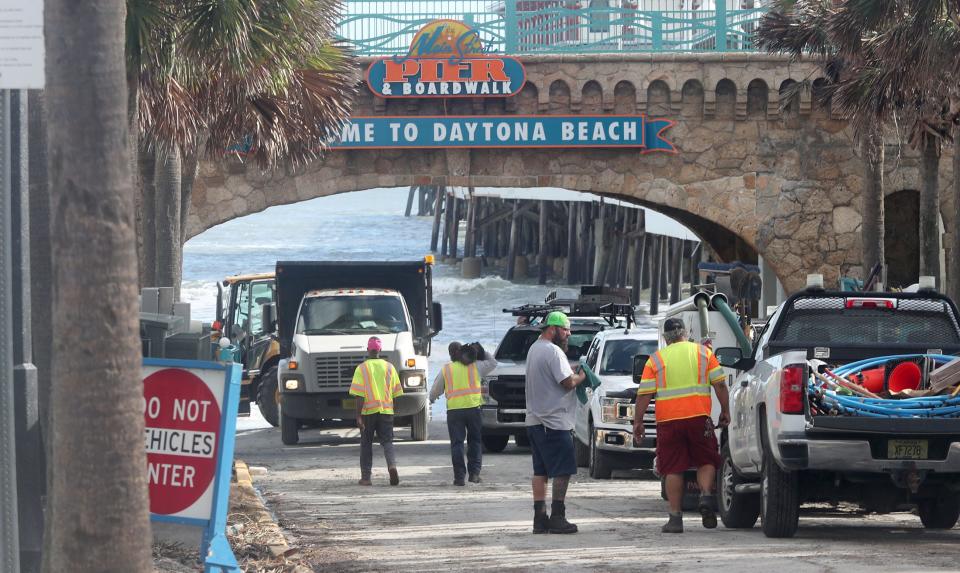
(752, 173)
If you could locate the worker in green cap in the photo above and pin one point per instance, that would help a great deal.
(551, 403)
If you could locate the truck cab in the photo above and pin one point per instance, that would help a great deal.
(326, 313)
(603, 427)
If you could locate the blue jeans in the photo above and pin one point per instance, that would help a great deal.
(465, 423)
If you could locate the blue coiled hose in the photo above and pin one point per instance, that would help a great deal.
(921, 407)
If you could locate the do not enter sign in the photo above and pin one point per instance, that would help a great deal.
(182, 415)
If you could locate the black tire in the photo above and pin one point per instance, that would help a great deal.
(419, 431)
(289, 429)
(495, 444)
(521, 440)
(779, 499)
(599, 464)
(941, 512)
(581, 452)
(737, 510)
(268, 396)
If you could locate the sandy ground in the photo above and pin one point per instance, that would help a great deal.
(427, 524)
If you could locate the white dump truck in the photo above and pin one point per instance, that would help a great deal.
(326, 312)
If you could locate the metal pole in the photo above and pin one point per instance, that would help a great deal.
(9, 526)
(31, 474)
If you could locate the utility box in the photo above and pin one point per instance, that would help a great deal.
(188, 346)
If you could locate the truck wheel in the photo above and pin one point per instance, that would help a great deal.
(495, 444)
(268, 397)
(779, 499)
(941, 512)
(599, 464)
(418, 426)
(581, 452)
(737, 510)
(289, 429)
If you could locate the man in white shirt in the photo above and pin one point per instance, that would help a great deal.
(551, 403)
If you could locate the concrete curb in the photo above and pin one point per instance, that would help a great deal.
(252, 506)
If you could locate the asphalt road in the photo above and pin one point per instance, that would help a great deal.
(427, 524)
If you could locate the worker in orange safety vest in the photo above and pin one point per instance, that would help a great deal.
(681, 377)
(375, 385)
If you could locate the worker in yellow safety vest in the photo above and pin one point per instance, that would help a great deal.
(460, 381)
(681, 376)
(375, 385)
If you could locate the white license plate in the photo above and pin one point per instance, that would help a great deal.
(907, 449)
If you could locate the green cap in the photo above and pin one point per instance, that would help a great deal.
(557, 318)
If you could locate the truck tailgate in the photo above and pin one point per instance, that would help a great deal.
(819, 426)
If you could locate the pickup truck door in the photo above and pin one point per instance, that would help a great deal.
(582, 419)
(747, 388)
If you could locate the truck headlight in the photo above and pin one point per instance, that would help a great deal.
(414, 381)
(614, 411)
(485, 391)
(291, 384)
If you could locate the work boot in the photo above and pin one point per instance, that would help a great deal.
(474, 478)
(675, 525)
(364, 481)
(541, 521)
(458, 481)
(558, 519)
(707, 513)
(394, 476)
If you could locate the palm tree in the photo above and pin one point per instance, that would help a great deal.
(906, 77)
(263, 72)
(803, 29)
(99, 508)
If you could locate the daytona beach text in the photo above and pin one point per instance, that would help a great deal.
(505, 131)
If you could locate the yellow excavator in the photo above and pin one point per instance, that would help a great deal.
(246, 314)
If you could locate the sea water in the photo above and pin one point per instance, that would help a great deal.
(359, 226)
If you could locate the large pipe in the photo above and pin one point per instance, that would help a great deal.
(719, 302)
(702, 301)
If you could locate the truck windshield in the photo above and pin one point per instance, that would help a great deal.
(618, 355)
(516, 343)
(374, 314)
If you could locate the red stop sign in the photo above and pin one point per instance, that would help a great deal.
(182, 422)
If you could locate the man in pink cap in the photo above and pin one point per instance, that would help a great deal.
(375, 385)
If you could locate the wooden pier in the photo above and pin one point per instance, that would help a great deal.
(575, 242)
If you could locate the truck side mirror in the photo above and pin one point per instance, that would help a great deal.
(732, 357)
(436, 315)
(268, 314)
(639, 361)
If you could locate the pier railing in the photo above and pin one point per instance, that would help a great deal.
(386, 27)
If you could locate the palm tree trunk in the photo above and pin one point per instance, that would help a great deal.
(191, 165)
(953, 266)
(872, 231)
(146, 193)
(168, 176)
(100, 520)
(930, 210)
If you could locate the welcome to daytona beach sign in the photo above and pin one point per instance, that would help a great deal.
(190, 415)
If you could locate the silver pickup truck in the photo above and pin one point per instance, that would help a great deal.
(778, 453)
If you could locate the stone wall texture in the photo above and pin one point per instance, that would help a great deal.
(781, 176)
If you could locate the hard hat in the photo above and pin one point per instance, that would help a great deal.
(374, 344)
(557, 318)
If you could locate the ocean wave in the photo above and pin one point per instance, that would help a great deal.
(452, 285)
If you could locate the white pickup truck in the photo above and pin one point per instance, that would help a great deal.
(779, 452)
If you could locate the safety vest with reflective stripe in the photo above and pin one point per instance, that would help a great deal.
(376, 381)
(680, 375)
(462, 384)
